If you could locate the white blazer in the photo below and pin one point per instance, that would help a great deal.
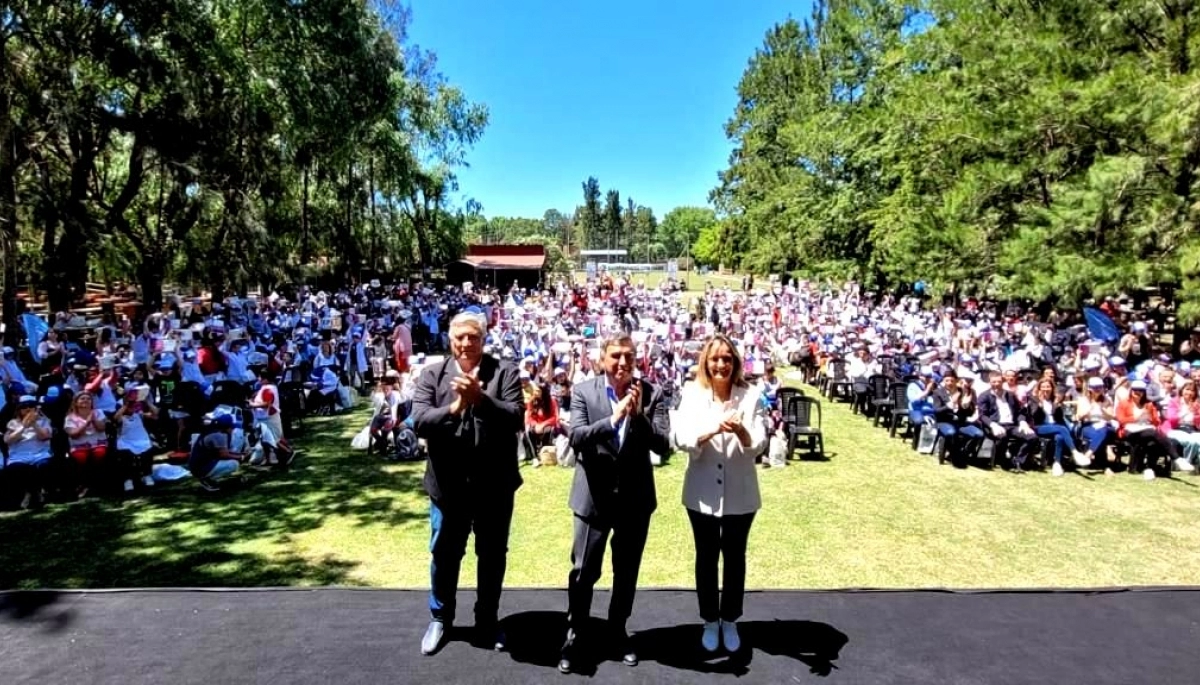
(721, 477)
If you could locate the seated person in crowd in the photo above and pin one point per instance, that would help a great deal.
(542, 422)
(1048, 416)
(28, 464)
(920, 407)
(211, 459)
(1003, 418)
(956, 414)
(1139, 425)
(86, 431)
(268, 419)
(1182, 424)
(135, 449)
(386, 423)
(1097, 417)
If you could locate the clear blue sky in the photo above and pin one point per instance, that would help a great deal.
(633, 92)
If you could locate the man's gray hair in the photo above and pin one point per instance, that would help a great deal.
(472, 319)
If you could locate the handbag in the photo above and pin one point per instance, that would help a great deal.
(928, 439)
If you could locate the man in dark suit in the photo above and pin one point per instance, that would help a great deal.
(469, 411)
(1004, 419)
(616, 421)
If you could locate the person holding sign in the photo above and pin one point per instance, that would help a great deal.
(722, 431)
(616, 422)
(469, 411)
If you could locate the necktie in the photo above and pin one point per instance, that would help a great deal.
(612, 397)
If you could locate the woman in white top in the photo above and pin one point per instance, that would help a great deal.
(721, 427)
(135, 449)
(28, 463)
(268, 418)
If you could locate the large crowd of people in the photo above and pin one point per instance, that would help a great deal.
(96, 405)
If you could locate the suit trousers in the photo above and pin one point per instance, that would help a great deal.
(451, 525)
(587, 559)
(716, 537)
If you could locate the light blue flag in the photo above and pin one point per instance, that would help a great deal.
(35, 331)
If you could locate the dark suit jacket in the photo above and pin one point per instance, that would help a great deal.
(989, 407)
(1037, 415)
(608, 480)
(473, 454)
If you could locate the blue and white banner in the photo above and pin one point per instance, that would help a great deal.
(35, 331)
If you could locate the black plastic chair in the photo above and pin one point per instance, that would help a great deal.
(900, 409)
(785, 395)
(880, 398)
(798, 424)
(837, 383)
(293, 407)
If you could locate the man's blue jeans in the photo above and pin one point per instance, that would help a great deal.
(489, 518)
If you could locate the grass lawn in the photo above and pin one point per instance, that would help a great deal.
(694, 282)
(874, 515)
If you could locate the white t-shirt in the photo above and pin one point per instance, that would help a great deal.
(133, 435)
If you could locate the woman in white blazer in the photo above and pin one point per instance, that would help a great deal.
(720, 424)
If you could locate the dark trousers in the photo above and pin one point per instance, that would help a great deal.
(587, 559)
(1146, 448)
(716, 537)
(29, 478)
(1013, 438)
(135, 466)
(451, 525)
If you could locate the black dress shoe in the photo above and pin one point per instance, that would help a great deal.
(489, 635)
(569, 653)
(623, 647)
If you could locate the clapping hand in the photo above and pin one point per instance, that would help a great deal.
(731, 421)
(468, 390)
(630, 403)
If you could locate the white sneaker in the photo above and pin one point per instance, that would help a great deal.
(1148, 474)
(711, 638)
(1056, 470)
(148, 481)
(729, 635)
(128, 485)
(1184, 465)
(1082, 460)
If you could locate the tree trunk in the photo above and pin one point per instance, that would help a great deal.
(217, 281)
(374, 221)
(304, 251)
(151, 272)
(8, 199)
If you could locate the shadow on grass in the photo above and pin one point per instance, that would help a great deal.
(181, 536)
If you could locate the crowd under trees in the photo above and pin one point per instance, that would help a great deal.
(227, 144)
(1042, 149)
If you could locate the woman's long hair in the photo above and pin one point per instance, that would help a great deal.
(715, 341)
(541, 402)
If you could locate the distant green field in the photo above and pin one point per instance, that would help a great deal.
(694, 281)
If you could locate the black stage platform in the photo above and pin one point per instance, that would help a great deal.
(348, 636)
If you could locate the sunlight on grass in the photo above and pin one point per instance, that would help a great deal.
(875, 515)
